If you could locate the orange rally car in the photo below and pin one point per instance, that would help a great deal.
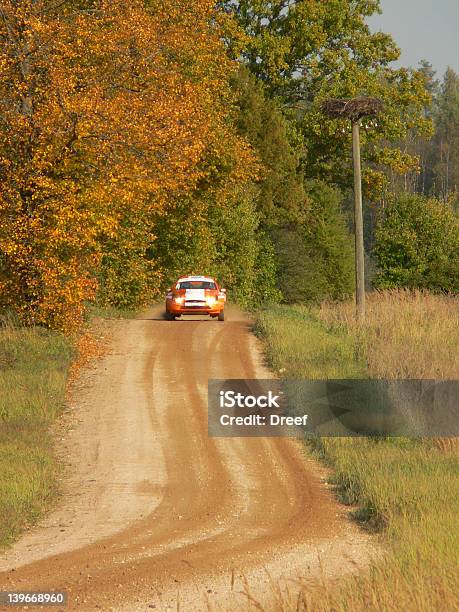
(196, 295)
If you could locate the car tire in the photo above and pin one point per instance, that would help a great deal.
(169, 316)
(221, 315)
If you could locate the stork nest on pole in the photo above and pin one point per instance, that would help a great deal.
(354, 109)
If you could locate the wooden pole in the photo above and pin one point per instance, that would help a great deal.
(358, 216)
(355, 109)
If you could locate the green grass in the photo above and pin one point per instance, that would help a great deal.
(300, 345)
(406, 490)
(33, 372)
(95, 311)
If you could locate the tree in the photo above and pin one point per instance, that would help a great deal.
(306, 51)
(446, 141)
(215, 229)
(316, 258)
(422, 181)
(282, 198)
(302, 219)
(107, 112)
(417, 245)
(431, 83)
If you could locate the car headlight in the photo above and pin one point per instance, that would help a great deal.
(179, 300)
(211, 301)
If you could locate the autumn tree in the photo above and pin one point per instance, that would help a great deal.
(108, 110)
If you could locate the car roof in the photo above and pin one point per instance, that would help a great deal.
(196, 278)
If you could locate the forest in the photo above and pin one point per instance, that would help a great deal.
(143, 140)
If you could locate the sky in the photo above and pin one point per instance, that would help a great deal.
(423, 29)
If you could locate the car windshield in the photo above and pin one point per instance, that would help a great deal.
(196, 285)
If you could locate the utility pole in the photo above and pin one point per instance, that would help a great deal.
(354, 110)
(358, 218)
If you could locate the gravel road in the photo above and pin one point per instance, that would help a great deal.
(154, 514)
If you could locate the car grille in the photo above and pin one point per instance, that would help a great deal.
(195, 304)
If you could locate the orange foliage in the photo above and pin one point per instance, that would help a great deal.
(89, 346)
(105, 115)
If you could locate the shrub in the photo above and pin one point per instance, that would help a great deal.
(417, 245)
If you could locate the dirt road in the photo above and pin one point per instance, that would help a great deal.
(153, 512)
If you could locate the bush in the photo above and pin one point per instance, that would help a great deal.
(417, 245)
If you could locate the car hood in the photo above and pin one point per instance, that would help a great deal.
(195, 294)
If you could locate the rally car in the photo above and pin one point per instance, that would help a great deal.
(196, 295)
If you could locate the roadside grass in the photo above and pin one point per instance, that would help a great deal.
(299, 345)
(407, 334)
(95, 311)
(34, 364)
(406, 490)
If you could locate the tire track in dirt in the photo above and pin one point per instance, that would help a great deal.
(155, 512)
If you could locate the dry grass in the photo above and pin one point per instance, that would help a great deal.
(407, 334)
(405, 489)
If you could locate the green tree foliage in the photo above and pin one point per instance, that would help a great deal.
(445, 160)
(288, 40)
(216, 230)
(226, 243)
(417, 245)
(282, 197)
(316, 258)
(308, 50)
(267, 290)
(438, 172)
(431, 83)
(302, 219)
